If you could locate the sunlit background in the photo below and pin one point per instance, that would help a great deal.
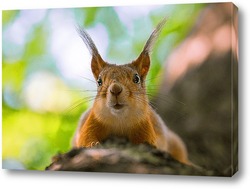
(46, 77)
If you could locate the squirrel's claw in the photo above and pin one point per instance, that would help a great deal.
(92, 144)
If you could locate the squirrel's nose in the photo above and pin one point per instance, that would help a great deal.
(115, 89)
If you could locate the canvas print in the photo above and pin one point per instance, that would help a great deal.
(125, 89)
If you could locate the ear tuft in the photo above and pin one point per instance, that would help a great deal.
(150, 42)
(142, 63)
(88, 41)
(97, 63)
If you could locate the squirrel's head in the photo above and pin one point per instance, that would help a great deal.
(121, 88)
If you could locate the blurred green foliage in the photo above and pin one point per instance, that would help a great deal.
(33, 130)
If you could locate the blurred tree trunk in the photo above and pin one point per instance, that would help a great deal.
(200, 88)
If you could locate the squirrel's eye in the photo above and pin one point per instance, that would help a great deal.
(136, 78)
(99, 81)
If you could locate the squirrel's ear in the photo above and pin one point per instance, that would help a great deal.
(142, 63)
(97, 63)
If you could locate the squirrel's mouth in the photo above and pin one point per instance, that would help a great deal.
(118, 106)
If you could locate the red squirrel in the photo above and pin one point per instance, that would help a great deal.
(121, 107)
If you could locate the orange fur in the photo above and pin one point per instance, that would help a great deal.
(93, 132)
